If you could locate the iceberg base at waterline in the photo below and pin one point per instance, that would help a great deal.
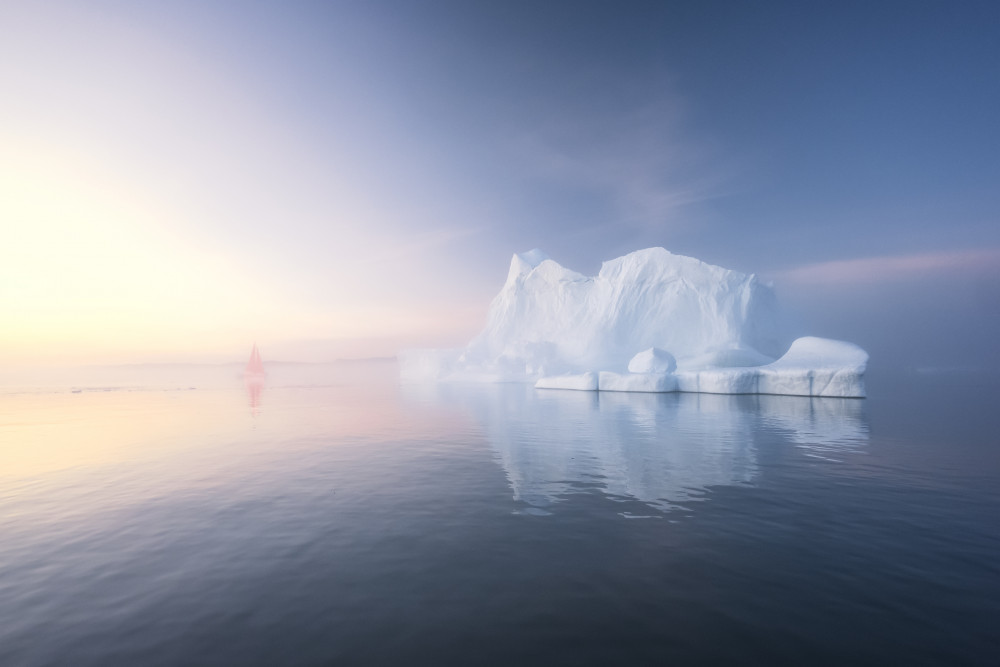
(650, 321)
(811, 367)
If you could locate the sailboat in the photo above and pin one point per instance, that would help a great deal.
(255, 367)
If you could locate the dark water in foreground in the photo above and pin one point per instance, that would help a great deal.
(355, 521)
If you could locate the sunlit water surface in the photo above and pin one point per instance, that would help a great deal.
(175, 516)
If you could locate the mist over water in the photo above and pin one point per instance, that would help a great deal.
(175, 515)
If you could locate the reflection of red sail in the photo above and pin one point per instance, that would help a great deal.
(254, 376)
(255, 367)
(254, 390)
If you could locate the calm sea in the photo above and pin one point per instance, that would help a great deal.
(174, 516)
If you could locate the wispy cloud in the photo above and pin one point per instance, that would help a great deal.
(419, 242)
(894, 268)
(644, 160)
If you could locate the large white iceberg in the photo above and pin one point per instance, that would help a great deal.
(650, 321)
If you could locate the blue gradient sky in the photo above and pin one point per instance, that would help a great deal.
(342, 179)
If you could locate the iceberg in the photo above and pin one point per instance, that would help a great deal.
(650, 321)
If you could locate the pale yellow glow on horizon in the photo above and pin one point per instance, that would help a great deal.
(89, 265)
(158, 205)
(93, 271)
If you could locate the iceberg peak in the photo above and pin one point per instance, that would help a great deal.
(521, 264)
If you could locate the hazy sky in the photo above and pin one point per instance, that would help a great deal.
(179, 179)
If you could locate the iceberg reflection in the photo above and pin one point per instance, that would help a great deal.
(659, 449)
(820, 427)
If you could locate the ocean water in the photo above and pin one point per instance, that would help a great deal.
(332, 516)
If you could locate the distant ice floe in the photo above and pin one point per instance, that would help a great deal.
(650, 321)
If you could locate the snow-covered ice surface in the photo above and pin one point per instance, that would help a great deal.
(811, 367)
(653, 360)
(579, 381)
(647, 382)
(650, 321)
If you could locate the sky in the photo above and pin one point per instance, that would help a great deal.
(346, 179)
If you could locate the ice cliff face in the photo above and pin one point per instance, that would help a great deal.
(550, 319)
(649, 321)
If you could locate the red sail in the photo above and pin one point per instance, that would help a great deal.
(255, 366)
